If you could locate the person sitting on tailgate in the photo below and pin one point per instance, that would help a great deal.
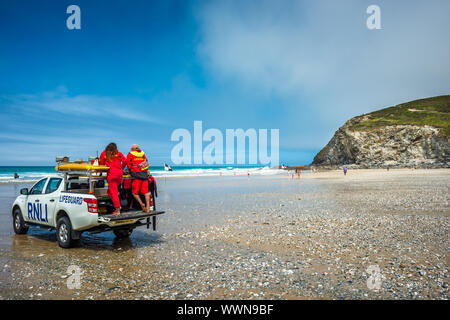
(138, 165)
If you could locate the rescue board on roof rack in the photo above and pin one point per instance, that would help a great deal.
(80, 167)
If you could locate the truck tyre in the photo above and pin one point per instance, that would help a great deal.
(123, 233)
(18, 222)
(64, 232)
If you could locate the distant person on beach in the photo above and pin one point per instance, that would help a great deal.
(16, 176)
(387, 168)
(345, 171)
(116, 162)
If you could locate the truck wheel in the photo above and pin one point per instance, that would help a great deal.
(64, 233)
(18, 223)
(123, 233)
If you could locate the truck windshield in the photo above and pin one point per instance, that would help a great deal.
(38, 187)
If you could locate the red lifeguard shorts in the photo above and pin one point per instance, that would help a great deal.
(140, 186)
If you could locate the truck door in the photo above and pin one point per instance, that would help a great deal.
(51, 198)
(36, 211)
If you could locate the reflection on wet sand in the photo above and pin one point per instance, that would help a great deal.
(41, 240)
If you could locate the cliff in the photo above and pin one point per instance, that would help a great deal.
(412, 134)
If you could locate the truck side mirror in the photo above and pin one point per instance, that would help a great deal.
(24, 191)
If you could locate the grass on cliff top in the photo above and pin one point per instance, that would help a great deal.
(431, 111)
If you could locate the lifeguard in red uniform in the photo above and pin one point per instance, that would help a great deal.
(116, 161)
(138, 165)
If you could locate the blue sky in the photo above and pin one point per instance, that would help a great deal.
(137, 70)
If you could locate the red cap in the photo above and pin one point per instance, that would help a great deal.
(135, 147)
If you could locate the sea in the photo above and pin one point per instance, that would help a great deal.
(34, 173)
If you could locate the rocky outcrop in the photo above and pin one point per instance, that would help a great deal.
(391, 145)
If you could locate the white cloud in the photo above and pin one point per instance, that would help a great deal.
(321, 52)
(89, 105)
(38, 127)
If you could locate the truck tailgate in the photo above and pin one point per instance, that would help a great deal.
(135, 214)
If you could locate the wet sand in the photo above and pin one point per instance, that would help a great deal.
(267, 237)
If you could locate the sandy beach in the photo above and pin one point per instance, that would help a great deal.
(263, 237)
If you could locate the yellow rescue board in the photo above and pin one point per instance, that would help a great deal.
(81, 167)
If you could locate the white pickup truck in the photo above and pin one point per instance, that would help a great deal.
(73, 203)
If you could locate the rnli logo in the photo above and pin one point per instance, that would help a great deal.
(36, 212)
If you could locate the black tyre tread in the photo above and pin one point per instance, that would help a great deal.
(70, 242)
(22, 229)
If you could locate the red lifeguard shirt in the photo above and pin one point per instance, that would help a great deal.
(116, 165)
(135, 159)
